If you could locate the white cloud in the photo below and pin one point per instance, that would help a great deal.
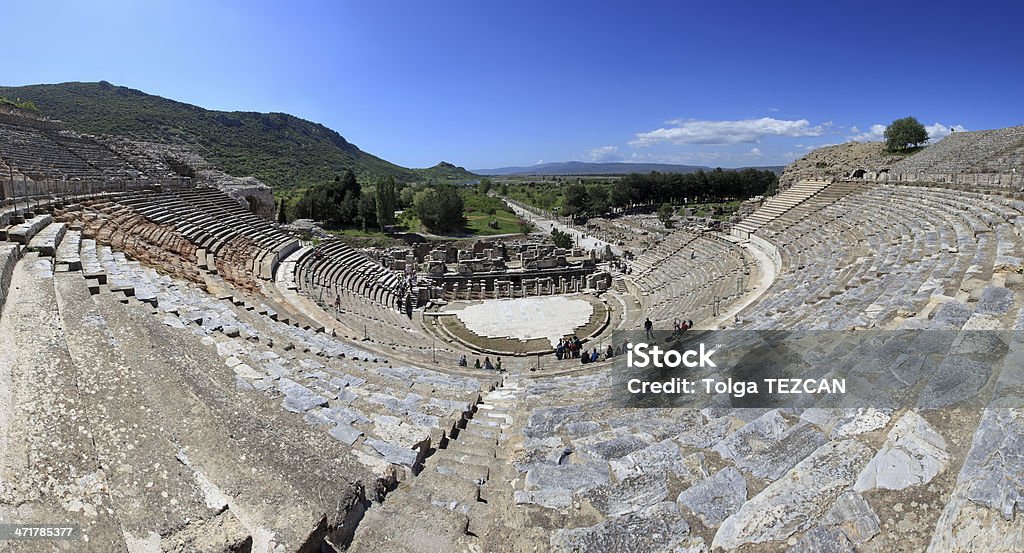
(937, 131)
(741, 131)
(539, 161)
(604, 153)
(874, 134)
(755, 152)
(877, 132)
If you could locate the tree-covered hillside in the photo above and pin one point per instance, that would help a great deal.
(280, 149)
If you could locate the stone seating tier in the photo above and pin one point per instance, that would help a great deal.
(963, 152)
(748, 475)
(887, 253)
(47, 239)
(674, 286)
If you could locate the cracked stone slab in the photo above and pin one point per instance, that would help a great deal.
(913, 454)
(552, 499)
(716, 497)
(770, 445)
(658, 528)
(958, 378)
(854, 517)
(995, 300)
(615, 499)
(298, 398)
(982, 513)
(573, 477)
(661, 457)
(345, 434)
(798, 500)
(392, 453)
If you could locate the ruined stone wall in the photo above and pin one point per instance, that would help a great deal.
(252, 194)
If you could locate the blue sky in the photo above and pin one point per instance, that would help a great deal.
(486, 84)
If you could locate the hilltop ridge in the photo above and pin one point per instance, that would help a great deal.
(278, 148)
(986, 158)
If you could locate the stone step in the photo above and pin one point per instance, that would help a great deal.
(504, 419)
(67, 252)
(477, 428)
(469, 441)
(48, 239)
(140, 471)
(398, 525)
(444, 489)
(199, 402)
(38, 374)
(481, 519)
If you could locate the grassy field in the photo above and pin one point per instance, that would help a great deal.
(720, 211)
(481, 210)
(543, 195)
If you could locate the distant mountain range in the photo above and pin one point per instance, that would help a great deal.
(587, 168)
(277, 148)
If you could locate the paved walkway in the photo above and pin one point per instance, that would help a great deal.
(545, 224)
(767, 271)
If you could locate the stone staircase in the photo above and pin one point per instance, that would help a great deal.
(460, 489)
(778, 205)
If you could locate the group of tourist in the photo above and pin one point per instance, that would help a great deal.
(595, 356)
(486, 365)
(622, 266)
(569, 348)
(679, 326)
(572, 348)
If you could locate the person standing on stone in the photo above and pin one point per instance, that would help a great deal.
(649, 329)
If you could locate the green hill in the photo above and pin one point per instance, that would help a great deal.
(280, 149)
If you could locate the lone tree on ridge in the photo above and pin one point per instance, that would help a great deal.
(905, 133)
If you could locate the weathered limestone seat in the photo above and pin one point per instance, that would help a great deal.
(47, 239)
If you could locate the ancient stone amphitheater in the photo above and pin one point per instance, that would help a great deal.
(179, 374)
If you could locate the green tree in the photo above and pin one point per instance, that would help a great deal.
(282, 216)
(385, 201)
(335, 203)
(905, 133)
(441, 209)
(576, 199)
(407, 197)
(485, 185)
(503, 189)
(561, 239)
(597, 200)
(665, 213)
(618, 196)
(367, 209)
